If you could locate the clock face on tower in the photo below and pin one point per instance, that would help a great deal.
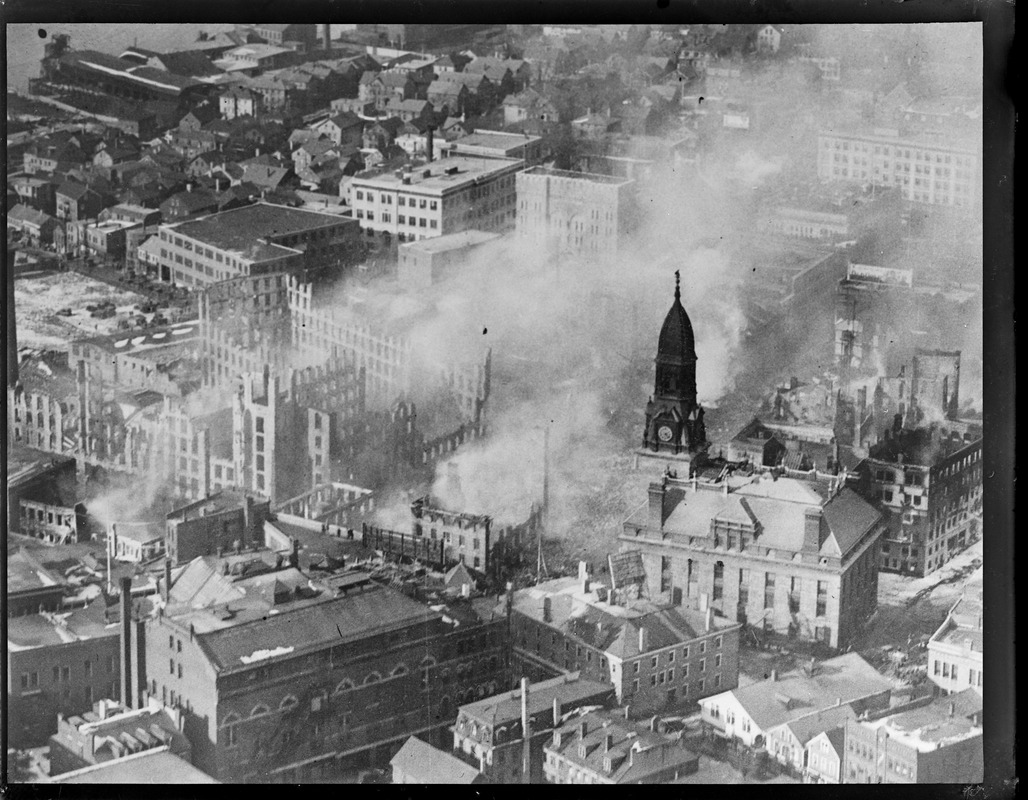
(664, 433)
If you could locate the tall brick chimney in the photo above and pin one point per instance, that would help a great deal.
(126, 642)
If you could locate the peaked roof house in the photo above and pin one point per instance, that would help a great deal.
(803, 698)
(420, 762)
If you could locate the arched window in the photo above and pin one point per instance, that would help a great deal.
(344, 685)
(258, 710)
(231, 727)
(401, 669)
(287, 703)
(374, 677)
(230, 719)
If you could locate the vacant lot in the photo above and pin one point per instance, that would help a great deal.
(38, 298)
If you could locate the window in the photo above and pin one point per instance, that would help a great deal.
(171, 666)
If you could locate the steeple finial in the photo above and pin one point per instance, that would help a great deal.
(678, 291)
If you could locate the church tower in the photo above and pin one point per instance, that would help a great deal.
(674, 420)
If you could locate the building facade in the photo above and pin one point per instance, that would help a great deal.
(955, 656)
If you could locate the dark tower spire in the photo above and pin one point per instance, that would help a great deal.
(674, 420)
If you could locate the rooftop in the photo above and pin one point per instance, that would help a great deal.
(612, 628)
(438, 177)
(796, 694)
(568, 690)
(426, 764)
(157, 766)
(946, 720)
(240, 230)
(160, 345)
(53, 629)
(495, 140)
(26, 574)
(580, 176)
(452, 241)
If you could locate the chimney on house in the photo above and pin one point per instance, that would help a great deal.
(327, 36)
(526, 735)
(430, 143)
(294, 556)
(583, 729)
(951, 709)
(248, 536)
(774, 675)
(547, 609)
(126, 642)
(654, 723)
(608, 742)
(644, 639)
(709, 619)
(556, 711)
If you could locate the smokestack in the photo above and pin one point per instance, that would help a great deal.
(556, 711)
(430, 144)
(126, 642)
(12, 328)
(526, 735)
(248, 521)
(327, 37)
(167, 580)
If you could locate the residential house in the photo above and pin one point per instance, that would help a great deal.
(520, 70)
(823, 756)
(603, 747)
(448, 97)
(199, 116)
(769, 39)
(409, 110)
(749, 713)
(39, 193)
(344, 128)
(188, 204)
(789, 741)
(306, 153)
(36, 226)
(76, 202)
(238, 102)
(380, 87)
(381, 134)
(355, 105)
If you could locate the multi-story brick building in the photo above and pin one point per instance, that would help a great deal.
(929, 481)
(259, 239)
(220, 522)
(489, 733)
(575, 212)
(656, 657)
(927, 169)
(58, 664)
(955, 656)
(280, 678)
(937, 742)
(789, 555)
(437, 198)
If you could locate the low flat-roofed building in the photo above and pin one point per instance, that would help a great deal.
(419, 762)
(605, 748)
(110, 731)
(425, 262)
(437, 198)
(496, 144)
(488, 731)
(158, 767)
(31, 587)
(955, 660)
(135, 542)
(261, 238)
